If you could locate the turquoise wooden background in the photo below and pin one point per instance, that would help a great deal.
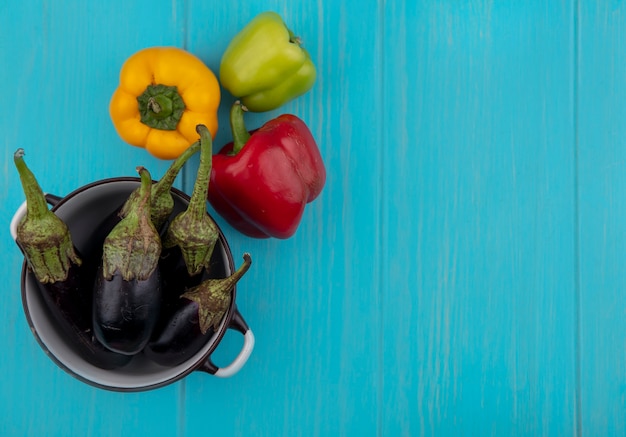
(462, 272)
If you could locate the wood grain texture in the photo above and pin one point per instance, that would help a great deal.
(602, 230)
(312, 299)
(479, 207)
(460, 273)
(60, 64)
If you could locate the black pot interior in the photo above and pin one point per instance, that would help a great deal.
(84, 211)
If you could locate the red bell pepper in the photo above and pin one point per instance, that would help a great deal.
(261, 182)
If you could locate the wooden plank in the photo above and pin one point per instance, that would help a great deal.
(449, 133)
(312, 299)
(602, 182)
(479, 292)
(61, 63)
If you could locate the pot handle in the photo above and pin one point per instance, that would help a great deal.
(21, 212)
(238, 323)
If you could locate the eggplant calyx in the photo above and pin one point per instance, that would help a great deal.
(133, 246)
(213, 296)
(44, 237)
(162, 202)
(193, 230)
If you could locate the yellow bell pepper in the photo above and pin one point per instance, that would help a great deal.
(164, 93)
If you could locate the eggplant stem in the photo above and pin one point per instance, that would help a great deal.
(43, 237)
(213, 296)
(197, 204)
(133, 246)
(164, 184)
(36, 205)
(193, 230)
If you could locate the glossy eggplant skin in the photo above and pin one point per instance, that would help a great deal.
(175, 280)
(69, 303)
(177, 336)
(181, 339)
(125, 312)
(197, 314)
(176, 311)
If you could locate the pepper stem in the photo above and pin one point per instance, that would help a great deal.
(43, 237)
(213, 296)
(161, 107)
(238, 127)
(294, 39)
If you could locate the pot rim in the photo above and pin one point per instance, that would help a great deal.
(197, 363)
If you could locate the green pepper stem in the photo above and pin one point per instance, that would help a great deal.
(36, 205)
(161, 107)
(238, 127)
(197, 203)
(294, 39)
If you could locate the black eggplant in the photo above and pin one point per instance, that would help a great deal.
(63, 277)
(198, 315)
(193, 231)
(190, 239)
(161, 202)
(175, 278)
(127, 290)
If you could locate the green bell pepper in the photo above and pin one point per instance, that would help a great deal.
(265, 66)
